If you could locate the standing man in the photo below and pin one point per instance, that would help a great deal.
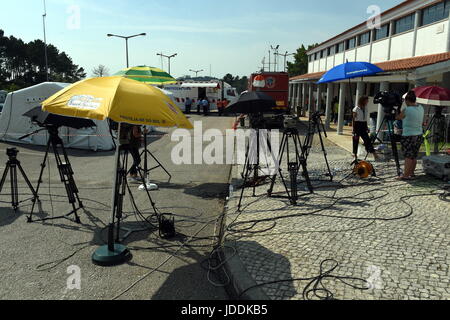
(199, 104)
(131, 141)
(188, 105)
(220, 106)
(205, 105)
(361, 128)
(412, 116)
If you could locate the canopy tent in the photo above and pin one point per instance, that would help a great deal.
(14, 125)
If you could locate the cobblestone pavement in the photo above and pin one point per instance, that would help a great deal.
(394, 235)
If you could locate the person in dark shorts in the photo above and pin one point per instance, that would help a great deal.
(131, 140)
(361, 129)
(412, 117)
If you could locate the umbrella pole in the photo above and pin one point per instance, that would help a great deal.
(113, 253)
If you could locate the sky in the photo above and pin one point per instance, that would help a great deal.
(218, 36)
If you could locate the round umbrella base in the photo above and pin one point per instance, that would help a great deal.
(106, 258)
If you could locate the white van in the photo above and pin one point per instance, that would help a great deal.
(213, 90)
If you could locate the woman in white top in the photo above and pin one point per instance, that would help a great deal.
(360, 127)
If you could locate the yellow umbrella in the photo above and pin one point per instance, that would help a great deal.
(122, 100)
(117, 98)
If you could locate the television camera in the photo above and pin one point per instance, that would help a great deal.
(391, 102)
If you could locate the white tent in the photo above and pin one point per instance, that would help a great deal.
(14, 125)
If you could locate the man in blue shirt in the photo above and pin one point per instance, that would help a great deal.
(412, 139)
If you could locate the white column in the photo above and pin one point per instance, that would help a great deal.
(291, 90)
(329, 105)
(294, 85)
(448, 36)
(299, 99)
(310, 97)
(416, 27)
(342, 94)
(319, 97)
(384, 86)
(303, 101)
(391, 33)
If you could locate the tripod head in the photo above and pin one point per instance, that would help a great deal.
(316, 117)
(12, 153)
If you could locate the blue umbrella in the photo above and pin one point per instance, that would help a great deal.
(350, 70)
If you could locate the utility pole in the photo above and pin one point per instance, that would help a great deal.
(126, 42)
(275, 54)
(168, 57)
(44, 16)
(196, 72)
(285, 55)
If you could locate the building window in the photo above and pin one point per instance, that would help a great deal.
(364, 38)
(331, 51)
(435, 13)
(350, 44)
(316, 56)
(340, 47)
(382, 33)
(323, 53)
(405, 24)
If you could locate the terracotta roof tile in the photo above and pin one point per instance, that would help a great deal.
(394, 65)
(413, 63)
(309, 76)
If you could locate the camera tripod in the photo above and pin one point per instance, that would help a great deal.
(316, 126)
(11, 167)
(65, 172)
(147, 153)
(292, 134)
(436, 129)
(121, 188)
(389, 122)
(252, 165)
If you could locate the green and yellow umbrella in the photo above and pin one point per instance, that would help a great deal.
(148, 75)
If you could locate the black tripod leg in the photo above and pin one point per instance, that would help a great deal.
(325, 155)
(279, 162)
(41, 174)
(244, 186)
(14, 191)
(5, 174)
(27, 181)
(160, 164)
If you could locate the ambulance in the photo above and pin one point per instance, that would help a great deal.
(213, 90)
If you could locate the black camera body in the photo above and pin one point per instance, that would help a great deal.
(391, 102)
(12, 152)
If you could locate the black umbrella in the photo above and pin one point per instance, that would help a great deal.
(43, 118)
(252, 103)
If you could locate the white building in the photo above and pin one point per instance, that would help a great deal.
(412, 47)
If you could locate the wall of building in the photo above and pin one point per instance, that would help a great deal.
(429, 39)
(402, 46)
(432, 39)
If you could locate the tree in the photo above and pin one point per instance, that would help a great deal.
(241, 84)
(23, 64)
(100, 71)
(300, 66)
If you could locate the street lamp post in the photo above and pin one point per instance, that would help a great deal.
(44, 16)
(168, 57)
(275, 53)
(196, 72)
(126, 42)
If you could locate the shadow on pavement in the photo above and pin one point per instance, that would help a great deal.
(209, 190)
(270, 267)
